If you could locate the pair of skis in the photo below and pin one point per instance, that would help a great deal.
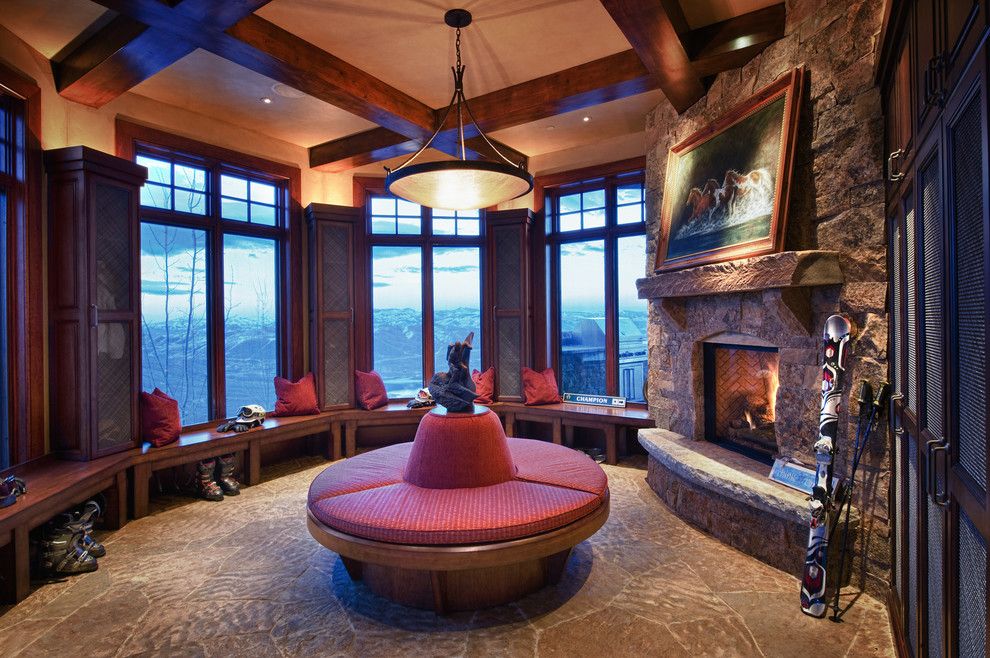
(838, 331)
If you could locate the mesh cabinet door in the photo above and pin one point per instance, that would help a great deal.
(508, 237)
(332, 231)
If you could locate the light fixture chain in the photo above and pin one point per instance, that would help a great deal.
(457, 47)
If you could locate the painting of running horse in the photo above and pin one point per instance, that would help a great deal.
(727, 185)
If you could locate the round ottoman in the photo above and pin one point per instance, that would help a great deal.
(463, 517)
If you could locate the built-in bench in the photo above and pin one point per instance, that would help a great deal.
(54, 485)
(198, 444)
(395, 414)
(565, 416)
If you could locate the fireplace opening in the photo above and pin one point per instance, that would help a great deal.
(741, 396)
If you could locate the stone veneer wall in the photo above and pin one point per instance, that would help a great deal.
(837, 203)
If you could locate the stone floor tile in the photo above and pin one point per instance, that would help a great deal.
(243, 577)
(611, 632)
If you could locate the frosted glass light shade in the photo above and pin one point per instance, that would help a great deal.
(459, 184)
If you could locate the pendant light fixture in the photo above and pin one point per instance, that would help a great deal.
(458, 184)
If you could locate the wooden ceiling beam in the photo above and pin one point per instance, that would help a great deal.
(600, 81)
(265, 48)
(118, 52)
(731, 43)
(656, 29)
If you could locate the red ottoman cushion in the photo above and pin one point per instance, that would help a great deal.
(363, 496)
(558, 468)
(459, 450)
(406, 514)
(378, 468)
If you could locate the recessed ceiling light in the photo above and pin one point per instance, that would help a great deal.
(266, 100)
(586, 119)
(285, 91)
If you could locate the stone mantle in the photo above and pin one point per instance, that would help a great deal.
(792, 273)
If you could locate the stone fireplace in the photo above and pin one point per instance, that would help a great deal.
(835, 262)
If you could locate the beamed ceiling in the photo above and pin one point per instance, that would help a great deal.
(361, 82)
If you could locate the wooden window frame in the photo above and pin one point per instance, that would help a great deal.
(133, 139)
(548, 189)
(364, 189)
(25, 379)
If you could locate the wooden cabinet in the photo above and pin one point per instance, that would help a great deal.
(334, 235)
(94, 301)
(509, 298)
(938, 227)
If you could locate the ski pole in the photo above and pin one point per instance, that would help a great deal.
(876, 410)
(865, 399)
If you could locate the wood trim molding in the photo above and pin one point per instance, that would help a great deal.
(26, 235)
(542, 183)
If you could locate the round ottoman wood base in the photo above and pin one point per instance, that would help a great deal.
(466, 589)
(462, 577)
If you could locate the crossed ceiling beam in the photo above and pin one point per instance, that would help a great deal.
(665, 55)
(682, 59)
(145, 36)
(148, 35)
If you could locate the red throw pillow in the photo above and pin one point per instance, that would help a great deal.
(484, 384)
(160, 423)
(539, 387)
(296, 398)
(369, 389)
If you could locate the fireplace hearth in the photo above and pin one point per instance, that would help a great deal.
(740, 397)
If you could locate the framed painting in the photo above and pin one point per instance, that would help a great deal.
(726, 190)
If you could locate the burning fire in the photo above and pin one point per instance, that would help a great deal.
(772, 379)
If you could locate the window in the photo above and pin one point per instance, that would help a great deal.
(397, 334)
(174, 331)
(213, 238)
(426, 268)
(597, 250)
(456, 301)
(582, 317)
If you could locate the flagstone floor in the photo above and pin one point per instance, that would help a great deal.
(244, 578)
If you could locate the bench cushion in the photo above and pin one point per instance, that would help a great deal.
(362, 496)
(406, 514)
(559, 468)
(459, 450)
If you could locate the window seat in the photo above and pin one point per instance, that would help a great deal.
(393, 414)
(53, 485)
(565, 416)
(198, 444)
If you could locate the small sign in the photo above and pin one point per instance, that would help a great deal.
(795, 476)
(597, 400)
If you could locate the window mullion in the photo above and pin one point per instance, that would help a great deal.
(611, 293)
(427, 259)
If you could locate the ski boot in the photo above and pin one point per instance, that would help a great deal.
(205, 486)
(82, 523)
(61, 553)
(11, 488)
(225, 475)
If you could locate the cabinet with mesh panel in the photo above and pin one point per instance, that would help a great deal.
(94, 301)
(333, 254)
(509, 286)
(938, 208)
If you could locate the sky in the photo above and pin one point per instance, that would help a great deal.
(249, 272)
